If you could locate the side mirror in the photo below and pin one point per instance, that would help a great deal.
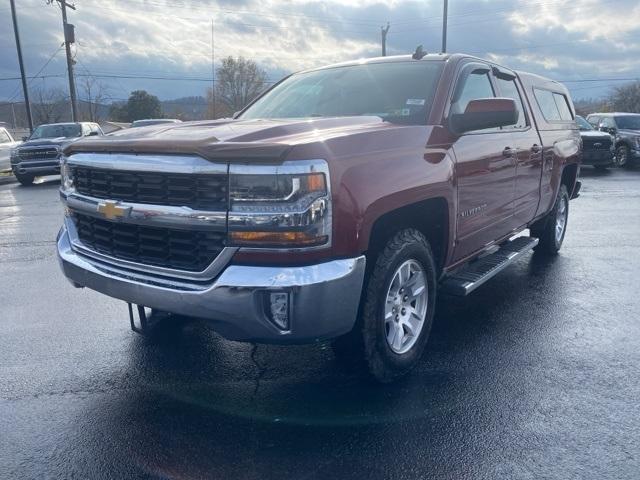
(24, 139)
(603, 128)
(485, 113)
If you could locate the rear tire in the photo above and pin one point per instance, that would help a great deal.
(551, 230)
(397, 309)
(25, 179)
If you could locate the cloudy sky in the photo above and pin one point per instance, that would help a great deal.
(165, 47)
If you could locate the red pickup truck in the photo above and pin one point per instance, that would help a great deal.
(335, 206)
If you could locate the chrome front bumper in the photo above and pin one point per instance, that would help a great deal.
(323, 298)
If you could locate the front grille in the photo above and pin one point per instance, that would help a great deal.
(596, 143)
(49, 153)
(162, 247)
(197, 191)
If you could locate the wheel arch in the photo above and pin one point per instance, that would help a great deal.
(569, 177)
(430, 217)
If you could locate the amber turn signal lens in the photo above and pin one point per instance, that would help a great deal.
(315, 182)
(275, 239)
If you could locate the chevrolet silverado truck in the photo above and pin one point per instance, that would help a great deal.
(40, 152)
(337, 205)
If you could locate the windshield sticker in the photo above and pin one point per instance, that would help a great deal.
(415, 101)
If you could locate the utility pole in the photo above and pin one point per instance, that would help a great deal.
(383, 32)
(213, 76)
(444, 26)
(69, 38)
(25, 90)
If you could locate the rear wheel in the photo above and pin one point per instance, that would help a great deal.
(397, 309)
(551, 230)
(25, 179)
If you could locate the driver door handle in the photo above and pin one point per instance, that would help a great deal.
(535, 148)
(509, 152)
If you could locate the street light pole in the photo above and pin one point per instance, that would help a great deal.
(68, 40)
(444, 26)
(25, 90)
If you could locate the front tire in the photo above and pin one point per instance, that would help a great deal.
(25, 179)
(622, 156)
(397, 308)
(551, 230)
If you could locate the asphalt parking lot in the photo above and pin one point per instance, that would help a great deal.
(536, 375)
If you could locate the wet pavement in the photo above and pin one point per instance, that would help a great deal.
(535, 375)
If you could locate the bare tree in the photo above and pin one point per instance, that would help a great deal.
(626, 98)
(49, 106)
(95, 94)
(238, 81)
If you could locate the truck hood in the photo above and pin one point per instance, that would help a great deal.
(595, 134)
(41, 142)
(227, 138)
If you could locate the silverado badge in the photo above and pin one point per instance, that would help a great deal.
(112, 210)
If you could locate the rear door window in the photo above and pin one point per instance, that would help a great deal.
(547, 104)
(509, 89)
(563, 107)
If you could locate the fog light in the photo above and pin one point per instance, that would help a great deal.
(279, 309)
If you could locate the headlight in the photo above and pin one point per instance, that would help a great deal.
(13, 155)
(280, 206)
(66, 176)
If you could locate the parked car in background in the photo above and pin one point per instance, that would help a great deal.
(154, 121)
(625, 128)
(40, 152)
(7, 143)
(597, 147)
(335, 206)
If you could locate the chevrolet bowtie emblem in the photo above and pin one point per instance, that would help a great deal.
(112, 210)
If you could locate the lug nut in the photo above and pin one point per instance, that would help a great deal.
(405, 298)
(403, 311)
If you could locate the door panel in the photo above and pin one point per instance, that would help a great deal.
(528, 173)
(486, 182)
(485, 172)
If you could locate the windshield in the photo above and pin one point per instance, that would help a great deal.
(396, 92)
(583, 124)
(628, 122)
(67, 130)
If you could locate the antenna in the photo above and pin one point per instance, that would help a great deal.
(419, 53)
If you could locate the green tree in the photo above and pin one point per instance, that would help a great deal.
(142, 105)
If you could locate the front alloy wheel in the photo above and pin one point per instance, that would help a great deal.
(406, 306)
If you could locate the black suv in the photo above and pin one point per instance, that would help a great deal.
(597, 147)
(40, 152)
(625, 128)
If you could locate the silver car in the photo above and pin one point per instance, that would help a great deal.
(6, 144)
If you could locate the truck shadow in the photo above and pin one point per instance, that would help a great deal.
(201, 404)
